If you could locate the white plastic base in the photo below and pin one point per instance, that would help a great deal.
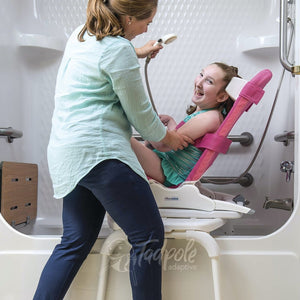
(187, 196)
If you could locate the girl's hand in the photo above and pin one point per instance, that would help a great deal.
(168, 121)
(148, 49)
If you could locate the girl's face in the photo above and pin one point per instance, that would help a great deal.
(209, 88)
(133, 27)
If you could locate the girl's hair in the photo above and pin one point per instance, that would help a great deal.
(103, 16)
(225, 106)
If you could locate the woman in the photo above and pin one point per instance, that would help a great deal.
(212, 104)
(99, 95)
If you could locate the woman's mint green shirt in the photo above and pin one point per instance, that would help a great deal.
(99, 95)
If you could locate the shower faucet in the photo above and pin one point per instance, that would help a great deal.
(287, 167)
(285, 204)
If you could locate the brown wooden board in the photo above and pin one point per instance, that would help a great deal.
(18, 197)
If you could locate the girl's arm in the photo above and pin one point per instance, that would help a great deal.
(201, 124)
(196, 127)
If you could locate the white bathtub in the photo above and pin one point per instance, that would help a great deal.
(261, 251)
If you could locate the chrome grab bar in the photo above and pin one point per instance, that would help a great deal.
(285, 137)
(245, 139)
(10, 133)
(283, 51)
(244, 181)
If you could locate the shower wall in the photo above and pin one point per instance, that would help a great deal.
(240, 33)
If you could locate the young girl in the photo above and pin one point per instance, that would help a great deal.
(212, 104)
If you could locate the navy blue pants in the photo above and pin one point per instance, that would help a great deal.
(111, 186)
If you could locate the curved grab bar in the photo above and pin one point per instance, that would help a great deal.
(283, 51)
(10, 133)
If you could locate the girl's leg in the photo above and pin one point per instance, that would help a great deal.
(149, 161)
(82, 219)
(129, 201)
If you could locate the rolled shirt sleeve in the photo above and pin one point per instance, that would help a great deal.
(123, 70)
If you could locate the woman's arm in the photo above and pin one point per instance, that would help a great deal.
(170, 123)
(119, 63)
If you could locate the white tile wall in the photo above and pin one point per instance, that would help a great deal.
(207, 31)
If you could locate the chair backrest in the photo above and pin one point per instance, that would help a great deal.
(215, 143)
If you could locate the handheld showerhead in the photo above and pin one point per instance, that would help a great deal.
(167, 39)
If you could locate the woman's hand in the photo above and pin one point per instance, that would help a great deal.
(176, 141)
(148, 49)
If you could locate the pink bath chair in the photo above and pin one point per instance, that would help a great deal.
(245, 94)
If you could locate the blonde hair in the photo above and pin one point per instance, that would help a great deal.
(230, 72)
(103, 16)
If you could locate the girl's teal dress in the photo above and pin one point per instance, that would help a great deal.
(178, 164)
